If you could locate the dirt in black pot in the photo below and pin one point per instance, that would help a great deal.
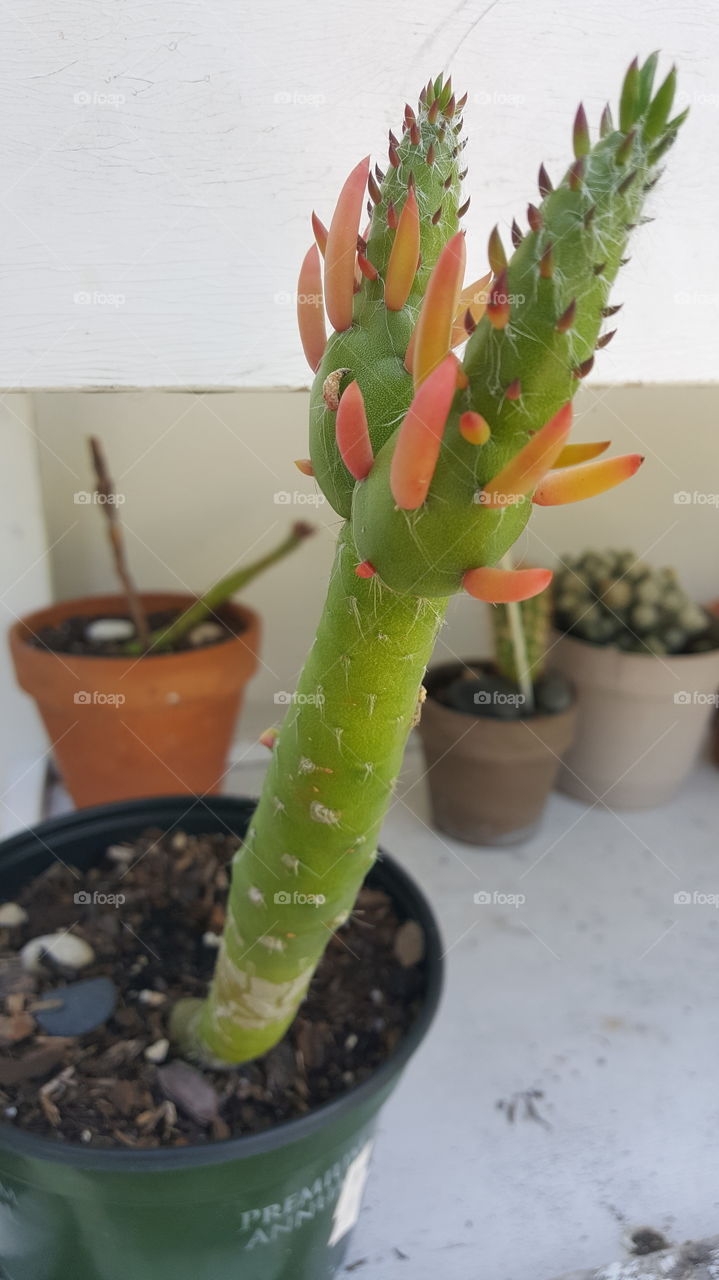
(105, 636)
(146, 923)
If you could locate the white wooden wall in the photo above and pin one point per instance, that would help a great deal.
(159, 162)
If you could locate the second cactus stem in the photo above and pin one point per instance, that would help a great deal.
(314, 834)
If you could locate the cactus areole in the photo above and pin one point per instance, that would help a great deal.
(433, 459)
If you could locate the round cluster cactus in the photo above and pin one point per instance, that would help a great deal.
(613, 598)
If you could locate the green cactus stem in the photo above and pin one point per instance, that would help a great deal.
(314, 834)
(434, 461)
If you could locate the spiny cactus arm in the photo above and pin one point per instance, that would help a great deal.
(314, 834)
(525, 359)
(219, 593)
(373, 300)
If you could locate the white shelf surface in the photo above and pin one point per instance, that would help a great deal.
(600, 993)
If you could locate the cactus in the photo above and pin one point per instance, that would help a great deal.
(613, 598)
(433, 461)
(535, 620)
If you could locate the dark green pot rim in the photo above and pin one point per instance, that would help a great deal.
(24, 854)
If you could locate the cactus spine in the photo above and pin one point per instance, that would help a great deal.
(434, 462)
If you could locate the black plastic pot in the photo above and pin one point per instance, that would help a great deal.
(279, 1205)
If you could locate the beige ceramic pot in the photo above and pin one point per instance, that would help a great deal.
(641, 721)
(488, 779)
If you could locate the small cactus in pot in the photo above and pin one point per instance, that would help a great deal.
(433, 460)
(614, 598)
(644, 658)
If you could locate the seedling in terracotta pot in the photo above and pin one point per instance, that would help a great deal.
(140, 692)
(432, 458)
(645, 661)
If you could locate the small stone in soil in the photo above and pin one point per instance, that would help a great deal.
(189, 1090)
(409, 944)
(39, 1062)
(12, 915)
(104, 630)
(16, 1027)
(81, 1007)
(158, 1051)
(153, 998)
(64, 948)
(206, 633)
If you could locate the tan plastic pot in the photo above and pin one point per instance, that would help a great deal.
(488, 779)
(641, 721)
(122, 728)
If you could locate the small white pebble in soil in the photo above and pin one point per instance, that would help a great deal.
(153, 998)
(86, 1135)
(350, 1042)
(120, 853)
(10, 1112)
(376, 996)
(211, 939)
(65, 948)
(158, 1051)
(206, 633)
(105, 630)
(12, 915)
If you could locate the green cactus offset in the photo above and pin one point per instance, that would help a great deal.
(613, 598)
(535, 620)
(433, 460)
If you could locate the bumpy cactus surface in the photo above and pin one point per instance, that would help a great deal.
(433, 460)
(613, 598)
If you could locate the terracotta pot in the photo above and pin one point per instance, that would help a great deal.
(488, 779)
(127, 727)
(641, 721)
